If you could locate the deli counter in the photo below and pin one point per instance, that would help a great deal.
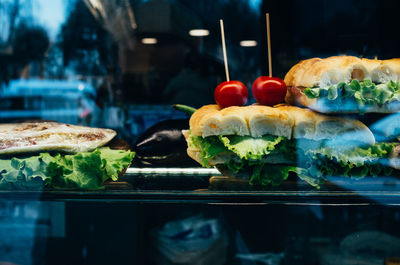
(137, 220)
(199, 132)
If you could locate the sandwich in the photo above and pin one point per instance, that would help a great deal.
(266, 144)
(345, 84)
(57, 155)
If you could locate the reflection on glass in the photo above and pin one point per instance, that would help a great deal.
(120, 64)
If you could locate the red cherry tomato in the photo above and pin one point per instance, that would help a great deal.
(231, 93)
(269, 90)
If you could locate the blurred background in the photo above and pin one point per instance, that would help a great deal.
(122, 63)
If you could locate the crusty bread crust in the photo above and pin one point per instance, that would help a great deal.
(227, 121)
(195, 155)
(332, 70)
(280, 120)
(296, 96)
(192, 152)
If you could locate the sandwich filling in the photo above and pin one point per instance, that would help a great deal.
(360, 93)
(83, 170)
(269, 160)
(58, 155)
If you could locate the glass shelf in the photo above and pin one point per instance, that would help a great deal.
(207, 186)
(333, 198)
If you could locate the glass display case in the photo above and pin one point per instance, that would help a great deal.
(175, 216)
(121, 64)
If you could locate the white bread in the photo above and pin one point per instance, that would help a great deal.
(281, 120)
(264, 120)
(332, 70)
(316, 72)
(382, 71)
(227, 121)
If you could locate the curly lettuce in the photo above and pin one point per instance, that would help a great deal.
(248, 154)
(249, 148)
(361, 92)
(209, 147)
(355, 163)
(262, 174)
(84, 170)
(242, 147)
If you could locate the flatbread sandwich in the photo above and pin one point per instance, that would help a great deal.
(58, 155)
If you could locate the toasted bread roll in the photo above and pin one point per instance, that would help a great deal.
(213, 121)
(195, 155)
(382, 71)
(264, 120)
(281, 120)
(325, 72)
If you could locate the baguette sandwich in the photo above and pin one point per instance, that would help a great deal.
(58, 155)
(265, 144)
(345, 84)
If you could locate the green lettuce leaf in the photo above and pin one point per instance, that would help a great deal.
(247, 147)
(261, 174)
(314, 163)
(24, 173)
(242, 147)
(312, 177)
(272, 175)
(361, 92)
(114, 161)
(208, 146)
(236, 165)
(333, 92)
(84, 170)
(88, 170)
(312, 92)
(355, 163)
(264, 175)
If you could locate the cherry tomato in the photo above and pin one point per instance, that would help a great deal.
(231, 93)
(269, 90)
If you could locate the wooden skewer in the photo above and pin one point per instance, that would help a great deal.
(269, 45)
(221, 23)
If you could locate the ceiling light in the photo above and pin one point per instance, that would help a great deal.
(149, 41)
(248, 43)
(199, 32)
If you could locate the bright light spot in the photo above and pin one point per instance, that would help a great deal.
(149, 41)
(248, 43)
(96, 4)
(199, 32)
(81, 87)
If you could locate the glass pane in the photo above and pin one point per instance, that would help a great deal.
(121, 64)
(317, 185)
(87, 232)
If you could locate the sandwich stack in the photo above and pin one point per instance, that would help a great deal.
(311, 135)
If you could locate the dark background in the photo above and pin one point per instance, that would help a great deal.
(141, 80)
(106, 51)
(136, 83)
